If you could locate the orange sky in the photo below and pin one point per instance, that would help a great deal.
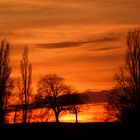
(81, 40)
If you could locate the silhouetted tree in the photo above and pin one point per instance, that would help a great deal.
(75, 108)
(133, 64)
(52, 87)
(25, 83)
(124, 102)
(6, 83)
(15, 113)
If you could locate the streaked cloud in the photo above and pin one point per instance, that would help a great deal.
(68, 44)
(49, 13)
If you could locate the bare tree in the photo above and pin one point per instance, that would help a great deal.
(125, 99)
(6, 83)
(25, 83)
(75, 108)
(52, 87)
(133, 63)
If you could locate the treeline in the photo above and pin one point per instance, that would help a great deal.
(52, 94)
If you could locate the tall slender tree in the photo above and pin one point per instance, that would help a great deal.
(125, 100)
(6, 84)
(25, 83)
(133, 63)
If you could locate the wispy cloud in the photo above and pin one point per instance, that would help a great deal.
(14, 34)
(70, 44)
(36, 13)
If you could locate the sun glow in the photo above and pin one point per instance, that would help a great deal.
(89, 113)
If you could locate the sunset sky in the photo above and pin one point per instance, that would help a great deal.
(80, 40)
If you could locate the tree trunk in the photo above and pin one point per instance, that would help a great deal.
(1, 109)
(57, 117)
(1, 115)
(24, 116)
(2, 112)
(76, 117)
(15, 117)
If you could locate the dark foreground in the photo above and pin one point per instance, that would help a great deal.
(50, 131)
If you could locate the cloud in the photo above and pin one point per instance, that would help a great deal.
(14, 34)
(70, 44)
(49, 13)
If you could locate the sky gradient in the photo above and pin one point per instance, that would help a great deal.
(80, 40)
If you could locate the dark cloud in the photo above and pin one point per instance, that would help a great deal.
(104, 48)
(70, 44)
(61, 45)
